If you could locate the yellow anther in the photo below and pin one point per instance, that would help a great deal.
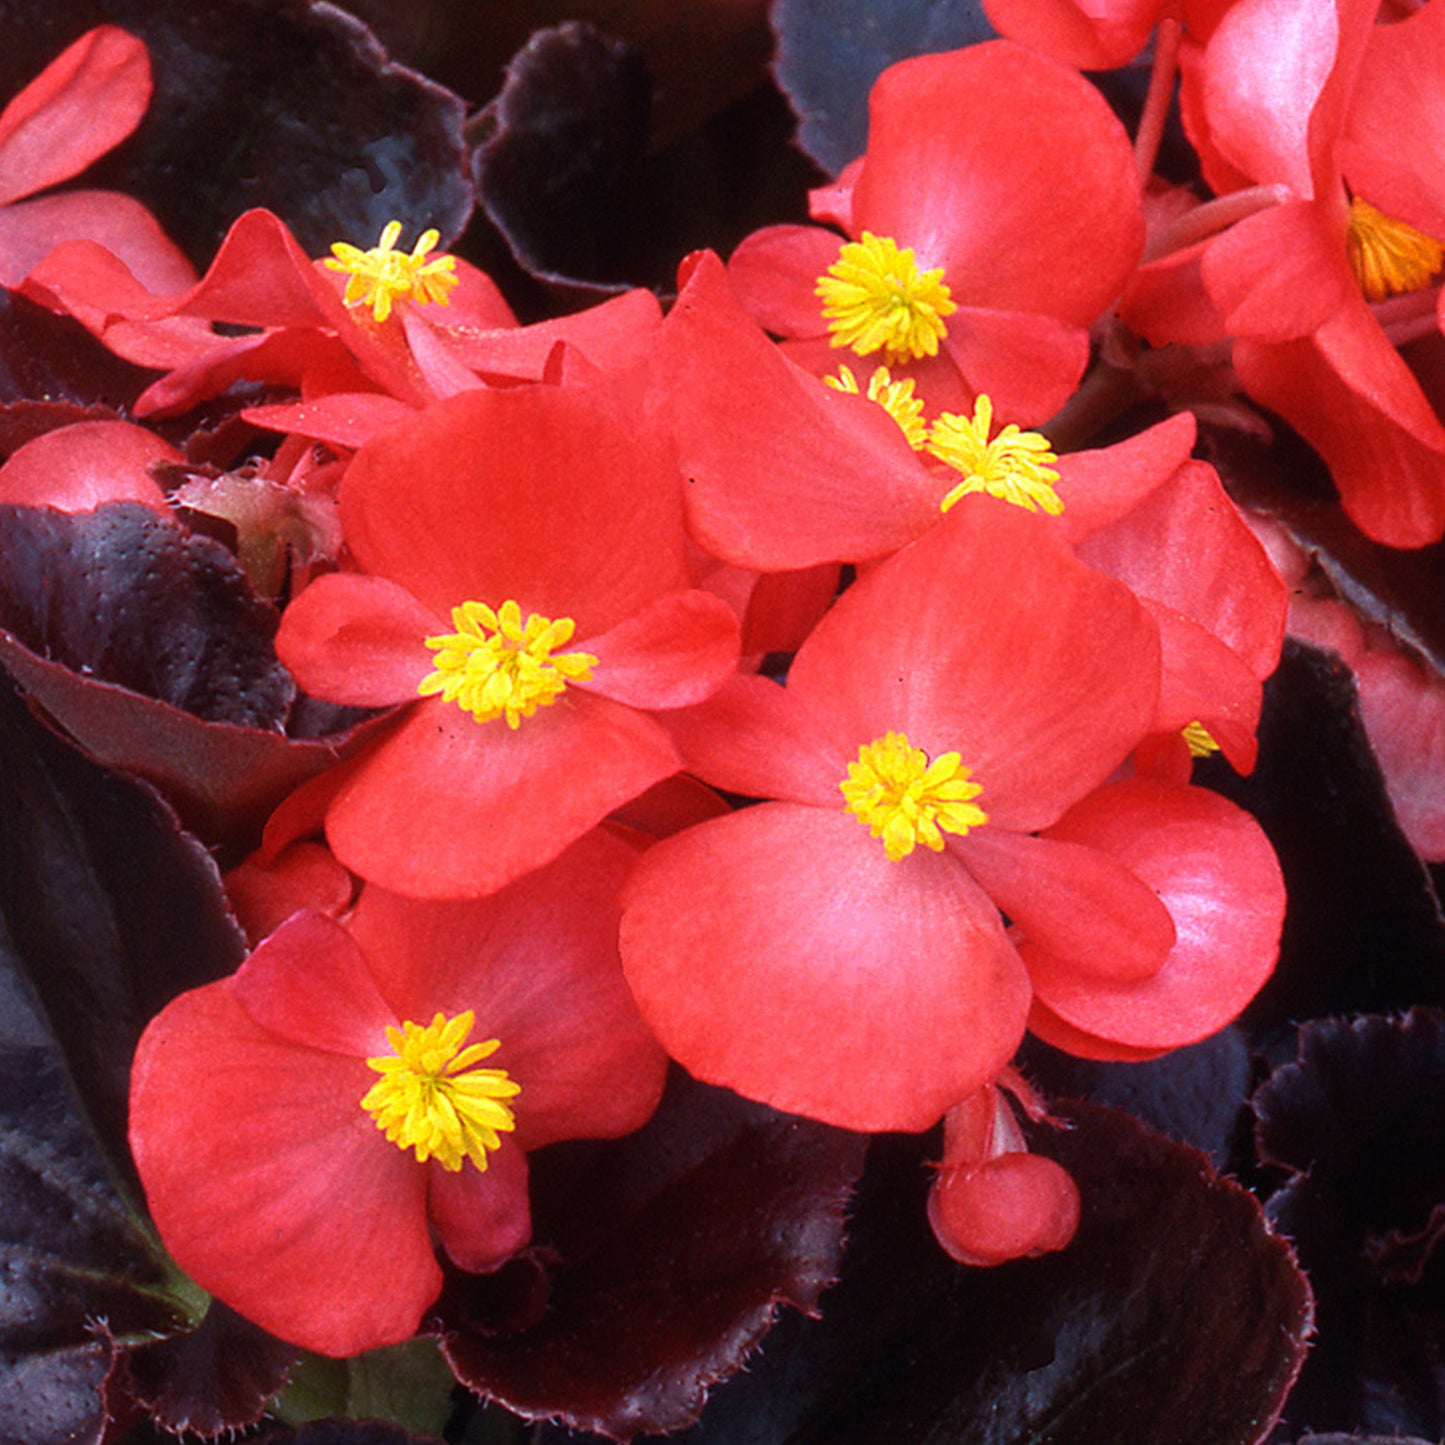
(382, 276)
(875, 297)
(1389, 257)
(432, 1098)
(1014, 466)
(906, 800)
(1200, 743)
(895, 397)
(497, 665)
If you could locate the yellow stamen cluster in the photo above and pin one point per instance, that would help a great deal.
(1198, 740)
(876, 297)
(895, 397)
(906, 800)
(1389, 257)
(382, 276)
(496, 665)
(1014, 466)
(432, 1098)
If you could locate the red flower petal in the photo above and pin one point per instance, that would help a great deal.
(556, 496)
(675, 652)
(482, 1219)
(85, 102)
(447, 807)
(360, 640)
(77, 468)
(1099, 487)
(1016, 1206)
(1076, 902)
(1216, 872)
(779, 952)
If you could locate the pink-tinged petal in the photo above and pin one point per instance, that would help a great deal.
(447, 807)
(784, 607)
(1347, 391)
(482, 1219)
(343, 419)
(1203, 680)
(556, 496)
(442, 373)
(1015, 1206)
(1075, 32)
(84, 103)
(668, 807)
(1165, 301)
(779, 952)
(1280, 273)
(271, 1186)
(309, 984)
(1028, 364)
(1264, 70)
(30, 230)
(304, 875)
(1187, 546)
(1009, 171)
(832, 203)
(77, 468)
(1042, 677)
(1098, 487)
(537, 963)
(1217, 874)
(615, 335)
(782, 471)
(775, 273)
(676, 652)
(756, 738)
(1064, 1036)
(1074, 901)
(1396, 113)
(1403, 708)
(358, 640)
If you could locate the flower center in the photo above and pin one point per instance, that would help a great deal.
(906, 800)
(382, 276)
(874, 296)
(1014, 466)
(895, 397)
(495, 664)
(1389, 257)
(431, 1098)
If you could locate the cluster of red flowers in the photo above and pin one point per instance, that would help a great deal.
(794, 540)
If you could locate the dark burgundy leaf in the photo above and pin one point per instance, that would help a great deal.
(1400, 590)
(128, 597)
(1363, 929)
(674, 1249)
(1174, 1318)
(217, 1377)
(1358, 1121)
(1360, 1440)
(347, 1432)
(70, 1255)
(1196, 1095)
(52, 371)
(829, 54)
(110, 909)
(274, 103)
(559, 172)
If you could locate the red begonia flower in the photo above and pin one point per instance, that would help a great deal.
(275, 1187)
(557, 502)
(1348, 213)
(1008, 172)
(804, 951)
(1215, 871)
